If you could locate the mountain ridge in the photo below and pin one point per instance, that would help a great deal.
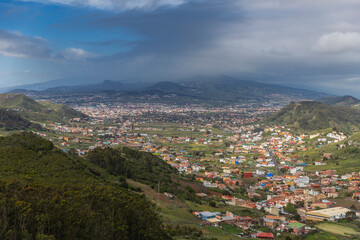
(217, 89)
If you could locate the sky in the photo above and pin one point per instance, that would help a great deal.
(313, 44)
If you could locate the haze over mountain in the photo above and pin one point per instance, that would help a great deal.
(201, 90)
(306, 44)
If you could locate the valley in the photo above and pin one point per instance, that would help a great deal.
(236, 162)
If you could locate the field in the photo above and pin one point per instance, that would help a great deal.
(338, 229)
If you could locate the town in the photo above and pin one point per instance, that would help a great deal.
(233, 160)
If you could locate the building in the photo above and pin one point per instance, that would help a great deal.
(298, 228)
(331, 214)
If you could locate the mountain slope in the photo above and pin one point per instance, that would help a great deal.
(309, 116)
(140, 166)
(343, 101)
(48, 194)
(37, 111)
(10, 121)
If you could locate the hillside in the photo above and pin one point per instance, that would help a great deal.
(139, 166)
(37, 111)
(310, 116)
(343, 101)
(344, 156)
(10, 121)
(48, 194)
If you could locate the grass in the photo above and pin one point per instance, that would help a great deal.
(321, 236)
(343, 166)
(338, 229)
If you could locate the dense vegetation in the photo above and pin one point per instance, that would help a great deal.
(309, 116)
(48, 194)
(140, 166)
(38, 111)
(10, 120)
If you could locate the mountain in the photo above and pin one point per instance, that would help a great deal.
(9, 121)
(40, 86)
(213, 90)
(343, 101)
(228, 89)
(106, 85)
(309, 116)
(37, 111)
(48, 194)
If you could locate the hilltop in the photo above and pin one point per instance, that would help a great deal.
(343, 101)
(48, 194)
(37, 111)
(310, 116)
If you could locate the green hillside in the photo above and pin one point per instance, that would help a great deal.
(48, 194)
(140, 166)
(345, 155)
(38, 111)
(310, 116)
(10, 121)
(343, 101)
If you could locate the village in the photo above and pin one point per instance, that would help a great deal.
(237, 161)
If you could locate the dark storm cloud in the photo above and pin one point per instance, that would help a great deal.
(312, 44)
(189, 27)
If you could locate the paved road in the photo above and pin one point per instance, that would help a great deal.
(277, 167)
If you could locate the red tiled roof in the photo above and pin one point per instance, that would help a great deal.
(265, 235)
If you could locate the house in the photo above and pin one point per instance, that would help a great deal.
(247, 175)
(244, 221)
(298, 228)
(263, 235)
(206, 215)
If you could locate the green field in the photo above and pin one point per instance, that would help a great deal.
(338, 229)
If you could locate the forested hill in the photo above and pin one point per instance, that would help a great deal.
(48, 194)
(343, 101)
(140, 166)
(38, 111)
(10, 121)
(309, 116)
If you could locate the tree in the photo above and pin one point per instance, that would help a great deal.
(212, 204)
(350, 215)
(290, 208)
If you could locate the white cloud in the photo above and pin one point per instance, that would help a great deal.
(338, 42)
(78, 54)
(113, 5)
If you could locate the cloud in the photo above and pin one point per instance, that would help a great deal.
(114, 5)
(338, 42)
(281, 41)
(15, 44)
(78, 54)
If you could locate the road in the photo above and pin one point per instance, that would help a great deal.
(277, 167)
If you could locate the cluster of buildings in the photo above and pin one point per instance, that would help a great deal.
(225, 154)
